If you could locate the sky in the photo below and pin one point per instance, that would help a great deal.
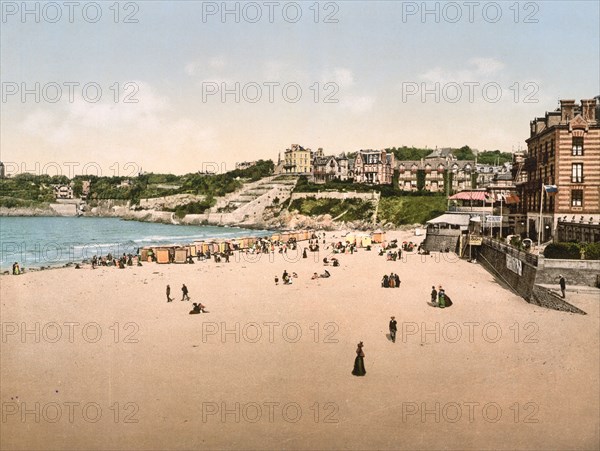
(112, 88)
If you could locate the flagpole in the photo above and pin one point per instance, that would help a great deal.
(501, 218)
(540, 224)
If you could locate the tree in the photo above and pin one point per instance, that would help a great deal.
(420, 179)
(464, 153)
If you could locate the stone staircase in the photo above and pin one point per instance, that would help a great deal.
(247, 205)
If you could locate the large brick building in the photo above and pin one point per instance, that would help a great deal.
(563, 150)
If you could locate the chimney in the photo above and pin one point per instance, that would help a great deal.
(567, 108)
(588, 109)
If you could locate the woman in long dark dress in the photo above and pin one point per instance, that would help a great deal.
(359, 361)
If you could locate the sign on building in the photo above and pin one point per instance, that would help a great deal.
(493, 219)
(475, 240)
(514, 264)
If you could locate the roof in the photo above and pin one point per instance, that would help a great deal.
(450, 218)
(470, 195)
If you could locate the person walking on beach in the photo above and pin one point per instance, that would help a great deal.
(434, 295)
(393, 329)
(359, 361)
(169, 298)
(563, 285)
(186, 296)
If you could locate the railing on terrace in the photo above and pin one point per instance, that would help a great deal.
(467, 209)
(510, 250)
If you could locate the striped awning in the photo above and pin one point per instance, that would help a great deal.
(470, 195)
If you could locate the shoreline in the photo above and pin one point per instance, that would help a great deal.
(85, 263)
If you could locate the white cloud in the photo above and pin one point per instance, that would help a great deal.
(357, 104)
(343, 77)
(476, 70)
(486, 65)
(216, 63)
(147, 132)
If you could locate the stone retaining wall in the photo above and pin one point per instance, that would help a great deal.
(494, 259)
(576, 272)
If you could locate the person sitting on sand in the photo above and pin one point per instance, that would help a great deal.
(198, 308)
(325, 262)
(304, 255)
(315, 276)
(325, 275)
(276, 280)
(335, 262)
(295, 275)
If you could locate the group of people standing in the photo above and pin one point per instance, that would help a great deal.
(109, 260)
(391, 281)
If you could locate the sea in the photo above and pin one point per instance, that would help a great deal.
(37, 242)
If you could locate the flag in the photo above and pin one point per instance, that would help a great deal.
(551, 189)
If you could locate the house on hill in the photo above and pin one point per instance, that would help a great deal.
(374, 167)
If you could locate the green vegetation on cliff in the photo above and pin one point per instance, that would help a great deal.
(410, 209)
(14, 191)
(395, 210)
(352, 209)
(28, 190)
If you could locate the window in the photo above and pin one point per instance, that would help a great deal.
(577, 173)
(578, 146)
(576, 198)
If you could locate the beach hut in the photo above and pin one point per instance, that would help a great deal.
(244, 243)
(275, 237)
(192, 250)
(365, 241)
(181, 255)
(144, 255)
(378, 236)
(162, 255)
(223, 246)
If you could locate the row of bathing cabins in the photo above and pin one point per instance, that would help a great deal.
(177, 253)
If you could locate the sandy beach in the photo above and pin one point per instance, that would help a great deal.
(97, 359)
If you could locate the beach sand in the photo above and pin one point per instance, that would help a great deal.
(517, 377)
